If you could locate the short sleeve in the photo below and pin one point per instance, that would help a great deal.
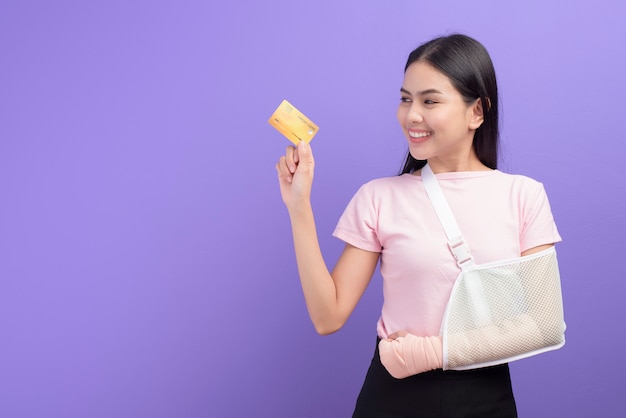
(357, 225)
(538, 226)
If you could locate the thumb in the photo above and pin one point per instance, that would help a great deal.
(305, 156)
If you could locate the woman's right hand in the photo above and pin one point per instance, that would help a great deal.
(295, 175)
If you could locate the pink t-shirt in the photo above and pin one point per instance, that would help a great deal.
(500, 216)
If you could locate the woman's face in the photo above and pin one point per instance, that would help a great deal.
(438, 124)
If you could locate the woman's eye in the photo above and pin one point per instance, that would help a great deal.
(429, 102)
(405, 100)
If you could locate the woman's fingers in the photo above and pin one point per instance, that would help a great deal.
(397, 335)
(295, 174)
(291, 159)
(284, 172)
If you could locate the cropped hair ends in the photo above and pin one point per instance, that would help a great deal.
(467, 64)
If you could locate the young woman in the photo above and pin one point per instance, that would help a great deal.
(449, 114)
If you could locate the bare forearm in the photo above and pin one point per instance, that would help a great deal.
(319, 289)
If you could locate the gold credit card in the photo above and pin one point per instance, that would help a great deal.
(290, 122)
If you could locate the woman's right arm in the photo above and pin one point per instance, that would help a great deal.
(330, 297)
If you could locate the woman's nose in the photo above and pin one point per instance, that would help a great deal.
(415, 114)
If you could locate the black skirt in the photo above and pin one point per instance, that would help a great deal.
(480, 393)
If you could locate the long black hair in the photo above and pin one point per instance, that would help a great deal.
(467, 64)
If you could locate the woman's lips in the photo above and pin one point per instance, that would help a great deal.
(417, 136)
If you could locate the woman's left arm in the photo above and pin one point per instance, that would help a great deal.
(537, 249)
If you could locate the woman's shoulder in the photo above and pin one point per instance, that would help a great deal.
(386, 184)
(383, 190)
(526, 188)
(520, 180)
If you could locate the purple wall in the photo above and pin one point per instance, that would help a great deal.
(146, 267)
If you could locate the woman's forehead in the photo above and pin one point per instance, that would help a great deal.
(421, 77)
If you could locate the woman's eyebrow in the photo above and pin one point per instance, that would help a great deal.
(421, 93)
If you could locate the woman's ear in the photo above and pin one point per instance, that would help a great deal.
(477, 116)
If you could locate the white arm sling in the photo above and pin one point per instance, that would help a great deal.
(497, 312)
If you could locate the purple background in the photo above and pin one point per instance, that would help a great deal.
(146, 263)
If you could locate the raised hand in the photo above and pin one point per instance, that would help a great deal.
(295, 175)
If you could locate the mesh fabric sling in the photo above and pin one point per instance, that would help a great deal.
(501, 311)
